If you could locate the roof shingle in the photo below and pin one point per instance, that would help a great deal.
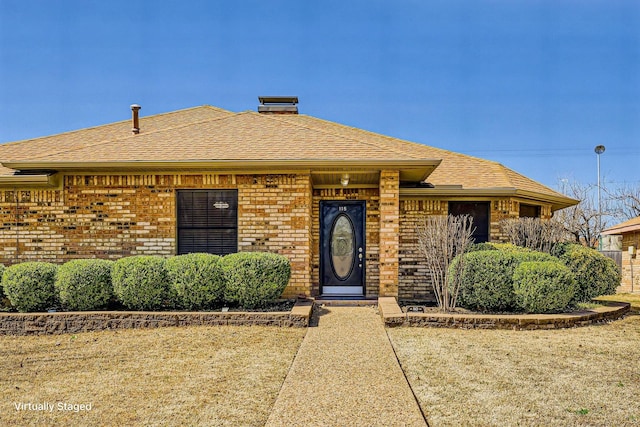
(208, 133)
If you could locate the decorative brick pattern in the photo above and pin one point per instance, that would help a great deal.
(389, 231)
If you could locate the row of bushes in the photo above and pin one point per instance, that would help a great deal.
(194, 282)
(504, 277)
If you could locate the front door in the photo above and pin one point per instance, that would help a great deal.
(342, 248)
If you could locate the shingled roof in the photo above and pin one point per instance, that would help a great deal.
(624, 227)
(210, 134)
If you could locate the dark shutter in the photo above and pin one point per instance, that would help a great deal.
(208, 221)
(479, 211)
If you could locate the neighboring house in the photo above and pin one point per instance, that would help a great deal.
(341, 203)
(630, 232)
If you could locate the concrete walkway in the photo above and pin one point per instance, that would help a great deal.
(346, 374)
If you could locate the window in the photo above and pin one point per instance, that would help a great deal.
(207, 221)
(529, 211)
(479, 211)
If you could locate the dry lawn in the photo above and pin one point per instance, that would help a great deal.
(633, 299)
(166, 376)
(575, 377)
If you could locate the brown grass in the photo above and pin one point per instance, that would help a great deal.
(633, 299)
(166, 376)
(575, 377)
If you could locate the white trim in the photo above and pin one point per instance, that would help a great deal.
(342, 290)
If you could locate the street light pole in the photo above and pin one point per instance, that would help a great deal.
(599, 150)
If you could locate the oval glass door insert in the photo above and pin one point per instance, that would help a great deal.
(342, 246)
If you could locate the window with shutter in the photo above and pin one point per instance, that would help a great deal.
(207, 221)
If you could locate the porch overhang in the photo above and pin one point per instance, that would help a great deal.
(457, 192)
(30, 181)
(324, 171)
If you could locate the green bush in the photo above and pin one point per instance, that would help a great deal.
(197, 280)
(30, 285)
(141, 282)
(542, 287)
(255, 278)
(85, 284)
(486, 278)
(595, 273)
(510, 247)
(484, 246)
(5, 304)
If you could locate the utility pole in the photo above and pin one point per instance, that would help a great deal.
(599, 150)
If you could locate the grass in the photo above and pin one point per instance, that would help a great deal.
(633, 299)
(581, 376)
(167, 376)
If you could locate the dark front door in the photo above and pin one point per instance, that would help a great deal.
(342, 247)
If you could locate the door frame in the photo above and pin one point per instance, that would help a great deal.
(350, 291)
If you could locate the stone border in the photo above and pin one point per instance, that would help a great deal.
(88, 321)
(392, 315)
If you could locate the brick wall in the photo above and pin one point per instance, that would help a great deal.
(372, 233)
(630, 266)
(123, 215)
(389, 231)
(414, 280)
(274, 215)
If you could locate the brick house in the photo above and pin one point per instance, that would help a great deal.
(630, 232)
(341, 203)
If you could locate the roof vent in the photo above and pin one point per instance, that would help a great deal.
(135, 122)
(278, 105)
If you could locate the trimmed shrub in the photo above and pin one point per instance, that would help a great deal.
(141, 282)
(5, 304)
(30, 285)
(595, 273)
(543, 287)
(486, 282)
(255, 278)
(85, 284)
(197, 280)
(484, 246)
(510, 247)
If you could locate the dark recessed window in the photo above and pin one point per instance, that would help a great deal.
(479, 211)
(208, 221)
(529, 211)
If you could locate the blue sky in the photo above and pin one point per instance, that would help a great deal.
(535, 85)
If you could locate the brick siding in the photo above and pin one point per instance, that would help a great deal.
(113, 216)
(630, 266)
(389, 231)
(414, 279)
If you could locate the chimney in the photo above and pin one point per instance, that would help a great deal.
(136, 125)
(278, 105)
